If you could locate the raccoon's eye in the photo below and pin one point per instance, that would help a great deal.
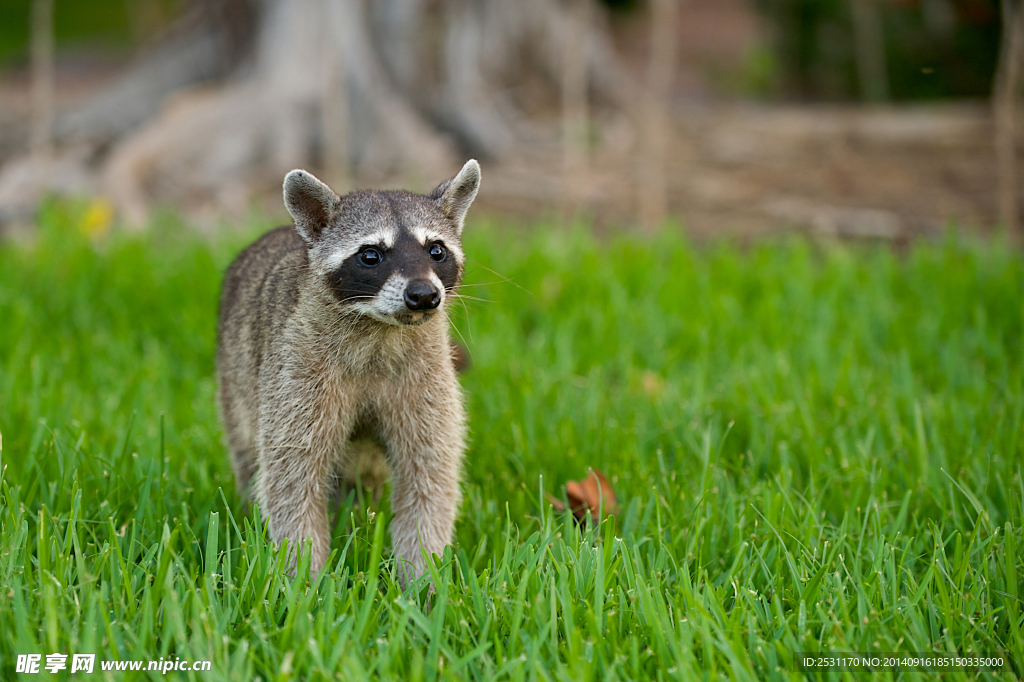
(437, 251)
(370, 256)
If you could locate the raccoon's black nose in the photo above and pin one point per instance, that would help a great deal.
(421, 294)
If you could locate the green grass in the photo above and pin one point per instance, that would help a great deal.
(815, 448)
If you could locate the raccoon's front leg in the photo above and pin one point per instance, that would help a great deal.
(299, 439)
(424, 434)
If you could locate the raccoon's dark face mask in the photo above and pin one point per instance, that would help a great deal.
(394, 256)
(400, 278)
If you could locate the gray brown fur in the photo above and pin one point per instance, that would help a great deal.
(320, 386)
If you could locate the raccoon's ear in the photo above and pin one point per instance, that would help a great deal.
(311, 203)
(455, 196)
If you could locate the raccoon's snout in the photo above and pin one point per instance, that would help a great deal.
(422, 294)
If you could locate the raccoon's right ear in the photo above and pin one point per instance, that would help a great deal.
(312, 204)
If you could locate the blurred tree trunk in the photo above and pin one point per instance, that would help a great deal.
(1005, 93)
(869, 41)
(655, 114)
(42, 79)
(374, 89)
(575, 117)
(335, 108)
(209, 42)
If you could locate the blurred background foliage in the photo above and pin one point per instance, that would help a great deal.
(98, 23)
(628, 111)
(933, 48)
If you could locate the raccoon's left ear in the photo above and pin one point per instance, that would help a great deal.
(455, 196)
(312, 204)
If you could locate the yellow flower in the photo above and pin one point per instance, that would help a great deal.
(97, 219)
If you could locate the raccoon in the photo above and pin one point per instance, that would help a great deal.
(334, 361)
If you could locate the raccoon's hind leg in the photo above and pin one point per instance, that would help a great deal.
(244, 462)
(364, 465)
(239, 442)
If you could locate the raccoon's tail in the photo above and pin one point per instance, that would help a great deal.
(460, 357)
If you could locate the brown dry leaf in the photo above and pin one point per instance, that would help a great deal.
(653, 384)
(589, 496)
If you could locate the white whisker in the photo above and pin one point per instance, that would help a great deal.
(498, 274)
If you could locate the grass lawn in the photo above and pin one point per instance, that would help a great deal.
(815, 448)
